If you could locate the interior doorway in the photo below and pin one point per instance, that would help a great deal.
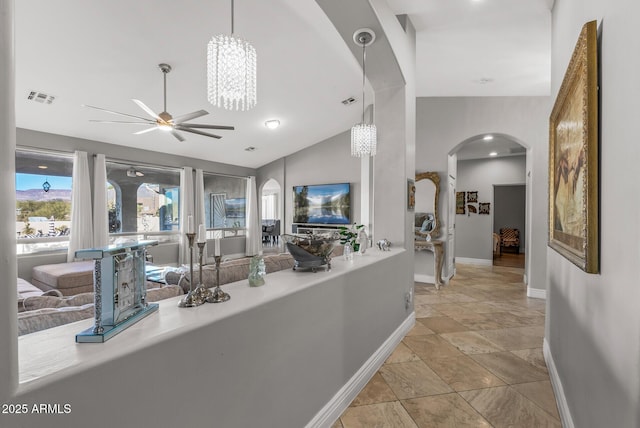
(478, 166)
(271, 213)
(509, 202)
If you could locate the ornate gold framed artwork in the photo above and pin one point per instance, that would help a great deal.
(573, 158)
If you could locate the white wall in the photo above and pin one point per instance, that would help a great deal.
(474, 237)
(593, 321)
(444, 123)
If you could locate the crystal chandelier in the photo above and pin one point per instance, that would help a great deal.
(363, 135)
(231, 71)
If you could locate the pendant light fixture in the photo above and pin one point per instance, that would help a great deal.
(363, 135)
(231, 71)
(46, 186)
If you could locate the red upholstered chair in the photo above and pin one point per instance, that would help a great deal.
(509, 238)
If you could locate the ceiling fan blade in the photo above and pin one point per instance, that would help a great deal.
(203, 126)
(144, 131)
(144, 107)
(193, 131)
(177, 135)
(122, 121)
(115, 112)
(189, 116)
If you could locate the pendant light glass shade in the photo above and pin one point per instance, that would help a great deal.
(363, 140)
(231, 72)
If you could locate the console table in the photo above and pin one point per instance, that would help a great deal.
(436, 247)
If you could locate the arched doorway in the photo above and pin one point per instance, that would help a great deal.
(489, 192)
(271, 213)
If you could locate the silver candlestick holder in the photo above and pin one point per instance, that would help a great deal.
(189, 301)
(218, 296)
(201, 293)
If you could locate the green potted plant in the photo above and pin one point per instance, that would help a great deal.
(349, 235)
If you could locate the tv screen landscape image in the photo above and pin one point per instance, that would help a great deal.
(322, 204)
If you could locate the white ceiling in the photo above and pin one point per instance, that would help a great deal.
(106, 53)
(479, 148)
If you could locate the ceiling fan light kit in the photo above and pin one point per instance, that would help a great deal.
(231, 71)
(364, 139)
(164, 121)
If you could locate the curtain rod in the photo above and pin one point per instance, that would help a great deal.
(31, 149)
(177, 168)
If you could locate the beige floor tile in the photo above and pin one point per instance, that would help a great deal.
(463, 373)
(508, 320)
(413, 379)
(540, 393)
(510, 368)
(430, 299)
(459, 298)
(516, 338)
(376, 391)
(475, 322)
(426, 311)
(420, 329)
(533, 356)
(430, 347)
(384, 415)
(447, 410)
(450, 308)
(443, 325)
(402, 354)
(471, 342)
(480, 307)
(337, 424)
(473, 314)
(533, 317)
(504, 407)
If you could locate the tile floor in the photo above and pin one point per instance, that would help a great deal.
(473, 359)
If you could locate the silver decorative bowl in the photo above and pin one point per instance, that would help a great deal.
(311, 251)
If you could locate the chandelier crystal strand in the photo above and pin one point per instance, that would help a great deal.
(231, 72)
(363, 136)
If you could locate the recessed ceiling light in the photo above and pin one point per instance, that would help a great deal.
(42, 167)
(272, 124)
(488, 137)
(493, 154)
(250, 149)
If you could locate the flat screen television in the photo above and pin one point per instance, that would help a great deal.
(322, 204)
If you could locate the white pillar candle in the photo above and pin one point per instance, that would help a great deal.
(202, 233)
(190, 224)
(217, 247)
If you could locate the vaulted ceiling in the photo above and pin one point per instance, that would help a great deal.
(107, 53)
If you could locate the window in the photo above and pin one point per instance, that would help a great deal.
(143, 201)
(43, 200)
(225, 204)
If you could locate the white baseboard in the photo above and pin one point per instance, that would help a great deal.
(429, 279)
(339, 403)
(467, 261)
(561, 399)
(536, 293)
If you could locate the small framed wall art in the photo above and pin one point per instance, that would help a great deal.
(484, 207)
(460, 200)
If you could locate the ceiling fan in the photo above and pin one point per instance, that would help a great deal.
(164, 121)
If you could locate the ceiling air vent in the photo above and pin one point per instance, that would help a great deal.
(349, 101)
(40, 97)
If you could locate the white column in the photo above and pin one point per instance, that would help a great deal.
(8, 265)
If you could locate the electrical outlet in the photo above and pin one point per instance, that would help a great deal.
(408, 299)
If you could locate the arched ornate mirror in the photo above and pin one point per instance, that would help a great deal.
(426, 209)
